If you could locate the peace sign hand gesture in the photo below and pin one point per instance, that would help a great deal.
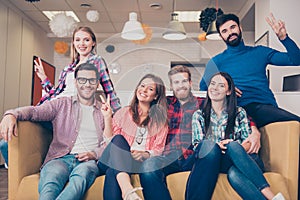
(105, 107)
(277, 26)
(39, 69)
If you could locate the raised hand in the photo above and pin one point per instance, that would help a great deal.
(277, 26)
(39, 69)
(105, 107)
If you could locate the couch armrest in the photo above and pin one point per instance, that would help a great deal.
(280, 151)
(26, 153)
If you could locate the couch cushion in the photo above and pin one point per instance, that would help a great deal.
(28, 188)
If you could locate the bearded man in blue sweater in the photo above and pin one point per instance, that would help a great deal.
(247, 66)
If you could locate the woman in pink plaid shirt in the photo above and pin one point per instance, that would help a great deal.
(140, 132)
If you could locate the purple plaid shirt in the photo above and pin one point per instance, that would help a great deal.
(105, 81)
(65, 115)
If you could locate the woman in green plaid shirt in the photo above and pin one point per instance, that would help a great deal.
(225, 124)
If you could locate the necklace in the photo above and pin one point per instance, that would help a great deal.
(140, 136)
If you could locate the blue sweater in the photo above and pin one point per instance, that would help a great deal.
(247, 66)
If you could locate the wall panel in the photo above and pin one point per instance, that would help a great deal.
(26, 64)
(12, 73)
(3, 39)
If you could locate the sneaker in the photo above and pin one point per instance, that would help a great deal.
(132, 195)
(278, 196)
(6, 166)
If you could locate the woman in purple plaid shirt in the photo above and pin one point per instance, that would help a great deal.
(83, 50)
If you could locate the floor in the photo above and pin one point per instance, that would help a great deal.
(3, 183)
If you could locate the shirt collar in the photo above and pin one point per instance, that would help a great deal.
(97, 104)
(239, 47)
(192, 99)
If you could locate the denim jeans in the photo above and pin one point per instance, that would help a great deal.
(201, 182)
(117, 158)
(4, 150)
(56, 173)
(244, 173)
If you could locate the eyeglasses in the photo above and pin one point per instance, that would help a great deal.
(140, 136)
(92, 81)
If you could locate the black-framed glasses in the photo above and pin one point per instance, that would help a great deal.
(92, 81)
(140, 136)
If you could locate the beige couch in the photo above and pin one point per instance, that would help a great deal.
(280, 153)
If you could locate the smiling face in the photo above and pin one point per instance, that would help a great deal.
(146, 91)
(231, 33)
(83, 43)
(218, 88)
(181, 86)
(86, 91)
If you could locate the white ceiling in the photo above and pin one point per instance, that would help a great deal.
(114, 13)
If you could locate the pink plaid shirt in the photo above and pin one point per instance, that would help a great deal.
(123, 124)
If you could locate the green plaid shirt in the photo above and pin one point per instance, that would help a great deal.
(241, 129)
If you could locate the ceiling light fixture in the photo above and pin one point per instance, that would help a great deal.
(155, 6)
(175, 29)
(51, 14)
(188, 16)
(132, 29)
(92, 15)
(212, 32)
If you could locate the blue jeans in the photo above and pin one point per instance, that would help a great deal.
(117, 158)
(244, 173)
(57, 172)
(264, 114)
(202, 179)
(4, 150)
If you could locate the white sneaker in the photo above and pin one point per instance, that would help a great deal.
(278, 196)
(5, 165)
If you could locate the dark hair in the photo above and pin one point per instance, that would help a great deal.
(87, 66)
(179, 69)
(231, 106)
(158, 107)
(88, 30)
(222, 19)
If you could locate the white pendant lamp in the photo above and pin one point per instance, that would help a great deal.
(132, 29)
(175, 29)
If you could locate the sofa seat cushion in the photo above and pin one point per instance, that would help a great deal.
(28, 189)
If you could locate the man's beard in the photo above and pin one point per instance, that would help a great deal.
(185, 96)
(234, 42)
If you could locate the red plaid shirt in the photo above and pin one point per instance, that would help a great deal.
(180, 124)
